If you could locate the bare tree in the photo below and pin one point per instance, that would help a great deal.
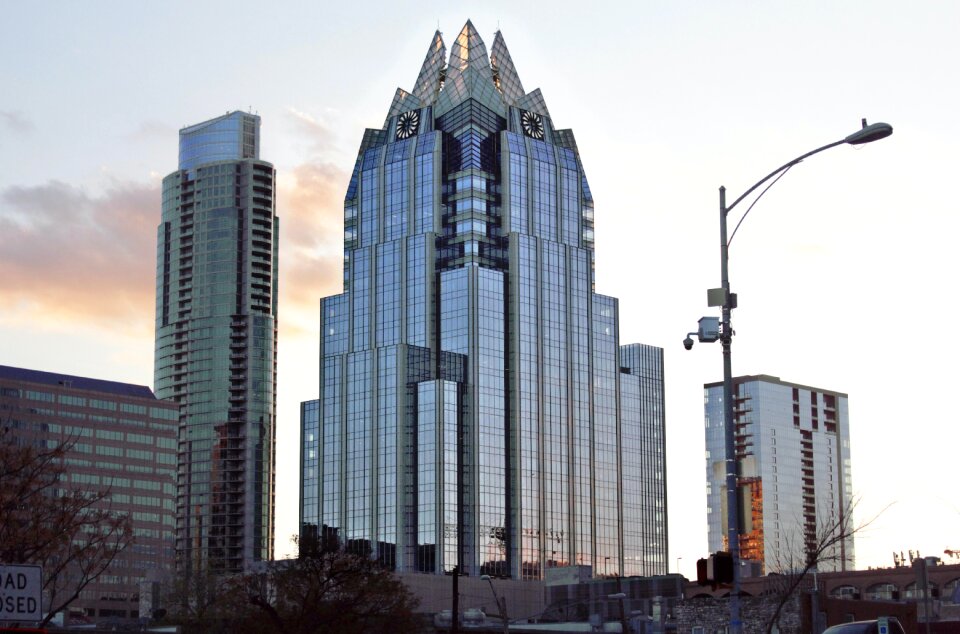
(71, 532)
(325, 590)
(193, 597)
(329, 590)
(821, 544)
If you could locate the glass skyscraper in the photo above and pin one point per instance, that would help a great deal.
(216, 340)
(476, 408)
(793, 450)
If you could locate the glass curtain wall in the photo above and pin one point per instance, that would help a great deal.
(471, 412)
(216, 341)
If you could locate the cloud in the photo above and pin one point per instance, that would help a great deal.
(317, 137)
(310, 207)
(154, 130)
(67, 256)
(16, 121)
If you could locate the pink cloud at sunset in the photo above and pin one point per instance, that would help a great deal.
(67, 256)
(310, 207)
(309, 204)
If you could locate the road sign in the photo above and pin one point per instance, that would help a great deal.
(20, 590)
(883, 625)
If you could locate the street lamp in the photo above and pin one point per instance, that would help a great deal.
(710, 330)
(501, 607)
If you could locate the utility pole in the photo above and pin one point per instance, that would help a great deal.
(455, 628)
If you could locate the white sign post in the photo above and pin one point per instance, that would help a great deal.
(20, 591)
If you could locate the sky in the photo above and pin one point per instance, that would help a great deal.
(844, 269)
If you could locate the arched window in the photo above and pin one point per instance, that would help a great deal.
(951, 591)
(844, 592)
(884, 591)
(910, 591)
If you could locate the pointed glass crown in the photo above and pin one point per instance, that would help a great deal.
(470, 73)
(431, 73)
(504, 73)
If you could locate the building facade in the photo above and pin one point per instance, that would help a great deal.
(216, 340)
(476, 408)
(793, 451)
(124, 440)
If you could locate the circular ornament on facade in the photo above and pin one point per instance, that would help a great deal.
(407, 124)
(532, 124)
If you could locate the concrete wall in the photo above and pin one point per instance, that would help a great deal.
(525, 599)
(713, 615)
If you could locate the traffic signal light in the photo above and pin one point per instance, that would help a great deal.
(702, 578)
(722, 567)
(715, 569)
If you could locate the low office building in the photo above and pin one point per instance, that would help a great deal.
(124, 439)
(843, 596)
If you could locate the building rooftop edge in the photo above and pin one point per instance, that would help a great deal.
(196, 126)
(767, 378)
(76, 382)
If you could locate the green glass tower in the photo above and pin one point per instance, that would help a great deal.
(216, 341)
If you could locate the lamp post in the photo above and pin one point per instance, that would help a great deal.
(501, 607)
(708, 331)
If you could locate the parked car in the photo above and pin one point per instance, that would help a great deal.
(865, 627)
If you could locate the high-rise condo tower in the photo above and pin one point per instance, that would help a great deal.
(793, 454)
(216, 341)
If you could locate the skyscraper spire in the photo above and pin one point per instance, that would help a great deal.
(468, 52)
(492, 80)
(504, 71)
(469, 74)
(431, 73)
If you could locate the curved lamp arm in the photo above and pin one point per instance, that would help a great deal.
(868, 134)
